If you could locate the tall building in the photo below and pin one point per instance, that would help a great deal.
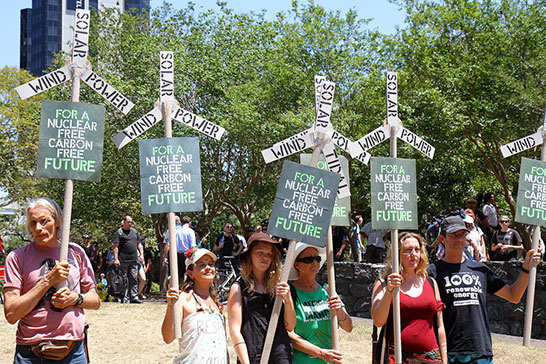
(47, 28)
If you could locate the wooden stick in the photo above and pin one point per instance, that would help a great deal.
(332, 286)
(530, 300)
(395, 264)
(272, 327)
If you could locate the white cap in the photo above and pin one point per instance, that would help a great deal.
(195, 255)
(294, 274)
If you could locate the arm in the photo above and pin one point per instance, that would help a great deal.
(115, 251)
(442, 339)
(381, 298)
(235, 319)
(165, 253)
(328, 355)
(65, 297)
(514, 292)
(167, 328)
(18, 306)
(290, 319)
(141, 253)
(343, 318)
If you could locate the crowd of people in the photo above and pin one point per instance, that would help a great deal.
(442, 302)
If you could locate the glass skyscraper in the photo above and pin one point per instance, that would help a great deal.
(47, 28)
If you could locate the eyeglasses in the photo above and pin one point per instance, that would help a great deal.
(309, 260)
(504, 222)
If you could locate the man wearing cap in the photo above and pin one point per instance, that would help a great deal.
(463, 286)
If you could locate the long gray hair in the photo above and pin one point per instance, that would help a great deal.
(52, 207)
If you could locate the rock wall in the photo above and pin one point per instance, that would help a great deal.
(355, 281)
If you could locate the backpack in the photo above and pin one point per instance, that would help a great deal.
(116, 283)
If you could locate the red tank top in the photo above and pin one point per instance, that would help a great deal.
(416, 316)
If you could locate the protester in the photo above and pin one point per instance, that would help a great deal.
(126, 256)
(92, 252)
(356, 240)
(375, 247)
(201, 240)
(141, 267)
(463, 286)
(45, 313)
(419, 303)
(239, 236)
(203, 324)
(489, 221)
(312, 337)
(227, 243)
(476, 241)
(251, 299)
(340, 240)
(506, 242)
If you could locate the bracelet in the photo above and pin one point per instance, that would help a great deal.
(79, 301)
(525, 270)
(242, 342)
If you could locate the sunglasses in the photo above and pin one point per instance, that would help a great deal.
(504, 222)
(309, 260)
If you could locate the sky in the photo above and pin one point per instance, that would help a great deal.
(384, 14)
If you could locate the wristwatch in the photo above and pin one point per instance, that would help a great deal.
(79, 301)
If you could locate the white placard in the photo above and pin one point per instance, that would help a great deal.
(415, 141)
(111, 95)
(522, 144)
(166, 76)
(392, 98)
(370, 140)
(334, 165)
(198, 123)
(44, 83)
(364, 157)
(318, 86)
(138, 127)
(324, 109)
(80, 47)
(341, 141)
(289, 146)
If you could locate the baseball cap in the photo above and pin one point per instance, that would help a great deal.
(454, 224)
(294, 274)
(264, 237)
(85, 236)
(193, 256)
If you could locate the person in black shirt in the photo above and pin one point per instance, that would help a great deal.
(125, 248)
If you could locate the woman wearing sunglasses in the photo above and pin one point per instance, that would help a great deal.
(200, 309)
(312, 337)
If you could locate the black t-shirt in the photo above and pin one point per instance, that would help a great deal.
(510, 237)
(231, 244)
(128, 245)
(463, 288)
(338, 234)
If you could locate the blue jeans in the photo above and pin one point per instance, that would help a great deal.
(24, 355)
(470, 359)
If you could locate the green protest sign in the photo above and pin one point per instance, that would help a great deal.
(71, 141)
(342, 207)
(531, 201)
(170, 175)
(303, 204)
(394, 193)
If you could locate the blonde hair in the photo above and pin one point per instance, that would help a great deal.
(421, 269)
(272, 274)
(188, 284)
(49, 205)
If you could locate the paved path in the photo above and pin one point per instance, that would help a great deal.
(517, 340)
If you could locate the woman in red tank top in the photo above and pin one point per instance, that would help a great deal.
(419, 302)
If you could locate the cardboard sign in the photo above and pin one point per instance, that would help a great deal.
(522, 144)
(80, 48)
(370, 140)
(304, 204)
(342, 206)
(44, 83)
(198, 123)
(392, 98)
(138, 127)
(531, 201)
(109, 93)
(170, 175)
(415, 141)
(294, 144)
(166, 76)
(71, 141)
(394, 193)
(332, 161)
